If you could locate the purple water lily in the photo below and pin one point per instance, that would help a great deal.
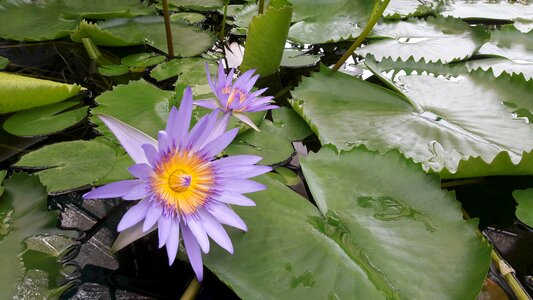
(236, 97)
(182, 186)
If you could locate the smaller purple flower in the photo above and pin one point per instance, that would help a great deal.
(236, 97)
(183, 188)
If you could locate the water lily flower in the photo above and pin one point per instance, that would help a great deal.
(236, 97)
(182, 186)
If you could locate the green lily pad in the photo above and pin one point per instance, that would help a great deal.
(325, 29)
(400, 9)
(271, 147)
(293, 58)
(374, 234)
(138, 104)
(187, 40)
(142, 60)
(484, 10)
(45, 120)
(28, 232)
(189, 17)
(180, 66)
(3, 62)
(113, 70)
(441, 122)
(434, 39)
(201, 5)
(266, 38)
(510, 51)
(69, 165)
(105, 9)
(524, 210)
(29, 21)
(21, 92)
(286, 123)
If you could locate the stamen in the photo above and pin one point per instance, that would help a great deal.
(179, 181)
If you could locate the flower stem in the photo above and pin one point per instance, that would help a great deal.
(192, 290)
(223, 30)
(377, 11)
(261, 6)
(166, 16)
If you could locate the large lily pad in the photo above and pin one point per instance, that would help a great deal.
(399, 9)
(69, 165)
(105, 9)
(44, 120)
(21, 92)
(524, 209)
(375, 233)
(442, 122)
(187, 40)
(201, 5)
(27, 230)
(266, 38)
(487, 10)
(434, 39)
(325, 29)
(29, 21)
(509, 50)
(138, 104)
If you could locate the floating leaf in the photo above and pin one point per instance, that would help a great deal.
(482, 10)
(105, 9)
(293, 58)
(142, 60)
(3, 62)
(266, 38)
(187, 40)
(21, 92)
(179, 66)
(375, 234)
(325, 29)
(113, 70)
(271, 147)
(26, 224)
(438, 122)
(189, 17)
(138, 104)
(45, 120)
(286, 123)
(513, 52)
(524, 210)
(201, 5)
(434, 39)
(399, 9)
(69, 165)
(28, 21)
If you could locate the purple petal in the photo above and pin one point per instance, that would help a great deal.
(234, 198)
(246, 120)
(164, 224)
(250, 84)
(130, 138)
(113, 190)
(242, 80)
(241, 186)
(257, 93)
(227, 162)
(134, 215)
(173, 242)
(218, 129)
(152, 216)
(201, 131)
(138, 192)
(215, 230)
(129, 236)
(151, 153)
(199, 232)
(211, 104)
(193, 252)
(243, 172)
(142, 171)
(164, 142)
(220, 143)
(209, 79)
(221, 78)
(225, 215)
(261, 108)
(184, 118)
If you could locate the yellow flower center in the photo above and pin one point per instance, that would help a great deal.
(233, 94)
(183, 181)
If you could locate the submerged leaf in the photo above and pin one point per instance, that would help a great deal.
(438, 121)
(21, 92)
(69, 165)
(375, 234)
